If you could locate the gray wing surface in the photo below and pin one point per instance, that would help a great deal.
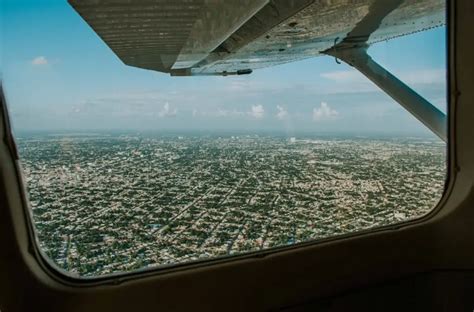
(202, 37)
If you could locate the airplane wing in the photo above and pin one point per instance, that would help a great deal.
(202, 37)
(233, 37)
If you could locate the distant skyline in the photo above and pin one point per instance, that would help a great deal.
(59, 75)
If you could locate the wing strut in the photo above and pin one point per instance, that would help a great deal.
(418, 106)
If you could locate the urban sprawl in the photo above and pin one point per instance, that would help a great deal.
(113, 203)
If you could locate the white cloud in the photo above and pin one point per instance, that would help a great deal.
(229, 113)
(244, 85)
(238, 85)
(282, 112)
(344, 76)
(412, 77)
(324, 112)
(257, 112)
(219, 112)
(167, 111)
(424, 76)
(39, 61)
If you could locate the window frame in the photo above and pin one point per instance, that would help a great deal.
(31, 268)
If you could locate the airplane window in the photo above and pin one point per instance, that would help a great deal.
(141, 154)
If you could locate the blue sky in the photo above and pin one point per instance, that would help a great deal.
(58, 75)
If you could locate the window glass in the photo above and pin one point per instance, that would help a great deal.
(128, 168)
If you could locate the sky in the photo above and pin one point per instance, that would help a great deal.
(58, 75)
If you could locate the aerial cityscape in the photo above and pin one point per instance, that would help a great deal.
(106, 203)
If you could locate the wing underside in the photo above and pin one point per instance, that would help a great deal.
(201, 37)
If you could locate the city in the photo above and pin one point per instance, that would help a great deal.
(107, 203)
